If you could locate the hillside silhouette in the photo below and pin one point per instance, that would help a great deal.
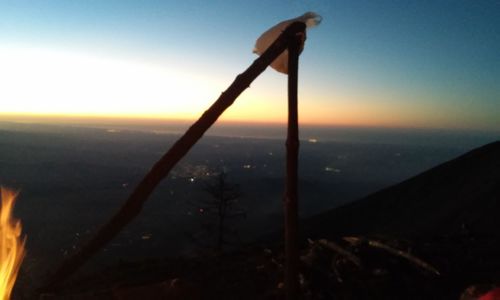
(457, 197)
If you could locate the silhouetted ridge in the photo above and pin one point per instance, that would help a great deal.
(456, 197)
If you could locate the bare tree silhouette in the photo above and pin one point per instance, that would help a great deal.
(221, 208)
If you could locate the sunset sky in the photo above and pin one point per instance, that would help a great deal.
(369, 63)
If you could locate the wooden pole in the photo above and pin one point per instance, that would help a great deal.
(291, 191)
(160, 170)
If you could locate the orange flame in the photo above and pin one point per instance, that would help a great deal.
(11, 244)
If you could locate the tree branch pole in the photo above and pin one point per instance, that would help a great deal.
(160, 170)
(291, 191)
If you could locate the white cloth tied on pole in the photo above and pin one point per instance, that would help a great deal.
(280, 64)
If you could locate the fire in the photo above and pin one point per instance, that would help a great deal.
(11, 244)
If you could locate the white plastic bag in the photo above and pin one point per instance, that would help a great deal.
(280, 64)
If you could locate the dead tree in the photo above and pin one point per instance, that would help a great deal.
(222, 204)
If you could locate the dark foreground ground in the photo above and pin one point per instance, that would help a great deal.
(375, 268)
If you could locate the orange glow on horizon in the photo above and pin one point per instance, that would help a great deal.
(44, 85)
(48, 86)
(345, 118)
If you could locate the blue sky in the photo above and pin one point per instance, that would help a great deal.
(375, 63)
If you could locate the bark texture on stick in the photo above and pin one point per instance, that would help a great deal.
(291, 190)
(160, 170)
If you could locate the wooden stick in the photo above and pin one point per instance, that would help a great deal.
(292, 153)
(404, 254)
(160, 170)
(345, 253)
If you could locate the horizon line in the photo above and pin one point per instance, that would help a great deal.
(88, 119)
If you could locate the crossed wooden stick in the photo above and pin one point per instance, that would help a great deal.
(292, 39)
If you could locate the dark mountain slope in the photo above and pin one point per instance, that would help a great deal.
(433, 205)
(461, 195)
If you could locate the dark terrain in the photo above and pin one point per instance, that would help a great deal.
(429, 237)
(441, 227)
(72, 179)
(457, 197)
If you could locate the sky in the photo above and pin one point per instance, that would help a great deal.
(430, 64)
